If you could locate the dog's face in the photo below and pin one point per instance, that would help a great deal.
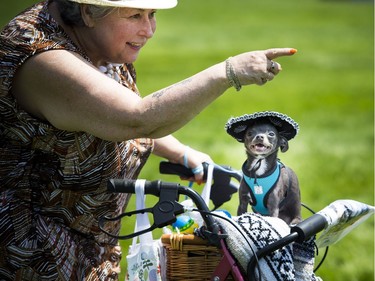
(263, 139)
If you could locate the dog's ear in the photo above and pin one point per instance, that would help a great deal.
(284, 145)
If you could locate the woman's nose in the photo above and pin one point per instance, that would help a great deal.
(148, 28)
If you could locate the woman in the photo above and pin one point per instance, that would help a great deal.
(72, 117)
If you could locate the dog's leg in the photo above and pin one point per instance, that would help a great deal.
(244, 198)
(290, 211)
(273, 201)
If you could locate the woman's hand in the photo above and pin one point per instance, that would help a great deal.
(193, 159)
(176, 152)
(257, 67)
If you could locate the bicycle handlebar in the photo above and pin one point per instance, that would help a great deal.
(298, 233)
(166, 209)
(168, 194)
(222, 187)
(180, 170)
(155, 188)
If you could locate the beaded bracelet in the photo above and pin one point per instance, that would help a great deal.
(197, 170)
(186, 156)
(231, 75)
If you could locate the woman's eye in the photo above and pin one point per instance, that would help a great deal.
(136, 16)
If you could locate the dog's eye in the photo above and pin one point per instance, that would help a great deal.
(249, 133)
(271, 134)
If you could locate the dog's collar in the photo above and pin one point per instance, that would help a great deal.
(246, 171)
(260, 187)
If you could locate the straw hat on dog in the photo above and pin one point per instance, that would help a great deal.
(286, 126)
(138, 4)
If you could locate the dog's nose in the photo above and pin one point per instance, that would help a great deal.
(259, 137)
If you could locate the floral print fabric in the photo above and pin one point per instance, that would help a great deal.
(53, 182)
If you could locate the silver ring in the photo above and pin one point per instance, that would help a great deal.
(272, 65)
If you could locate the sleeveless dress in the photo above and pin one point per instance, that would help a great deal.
(53, 182)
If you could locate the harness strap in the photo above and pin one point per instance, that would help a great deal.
(260, 188)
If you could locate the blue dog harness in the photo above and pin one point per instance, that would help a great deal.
(260, 188)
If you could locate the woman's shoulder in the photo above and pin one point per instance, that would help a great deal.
(27, 21)
(34, 28)
(31, 32)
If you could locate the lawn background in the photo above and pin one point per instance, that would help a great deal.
(327, 87)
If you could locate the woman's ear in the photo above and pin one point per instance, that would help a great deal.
(87, 16)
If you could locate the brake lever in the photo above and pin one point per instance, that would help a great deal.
(164, 212)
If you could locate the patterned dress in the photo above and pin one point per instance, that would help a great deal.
(53, 182)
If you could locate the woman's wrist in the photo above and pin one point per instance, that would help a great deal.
(231, 75)
(185, 157)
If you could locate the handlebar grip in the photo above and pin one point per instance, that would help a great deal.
(309, 227)
(169, 168)
(128, 186)
(121, 185)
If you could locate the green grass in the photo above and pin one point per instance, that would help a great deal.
(327, 87)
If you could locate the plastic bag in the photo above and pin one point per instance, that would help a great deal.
(145, 258)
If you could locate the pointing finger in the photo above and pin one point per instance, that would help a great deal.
(279, 52)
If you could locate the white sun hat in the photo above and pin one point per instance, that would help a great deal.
(139, 4)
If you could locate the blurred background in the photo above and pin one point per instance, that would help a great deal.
(327, 87)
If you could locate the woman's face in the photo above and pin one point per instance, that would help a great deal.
(119, 36)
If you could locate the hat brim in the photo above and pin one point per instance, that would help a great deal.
(286, 126)
(138, 4)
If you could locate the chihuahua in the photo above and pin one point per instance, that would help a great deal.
(269, 186)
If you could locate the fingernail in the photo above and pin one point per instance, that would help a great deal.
(292, 51)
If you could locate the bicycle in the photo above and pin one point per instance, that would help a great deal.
(166, 210)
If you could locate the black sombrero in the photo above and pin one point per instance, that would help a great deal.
(287, 127)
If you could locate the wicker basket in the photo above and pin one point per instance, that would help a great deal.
(189, 258)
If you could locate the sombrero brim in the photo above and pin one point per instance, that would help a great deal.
(138, 4)
(286, 126)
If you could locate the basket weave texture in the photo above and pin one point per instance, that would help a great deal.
(190, 259)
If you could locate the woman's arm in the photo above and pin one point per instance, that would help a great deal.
(62, 88)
